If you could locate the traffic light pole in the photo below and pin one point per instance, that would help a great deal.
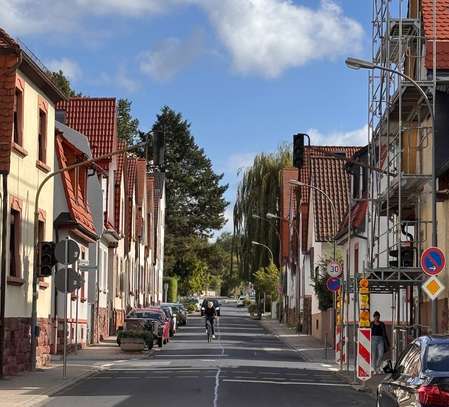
(36, 237)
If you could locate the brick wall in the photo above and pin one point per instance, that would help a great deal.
(118, 321)
(17, 346)
(103, 323)
(7, 91)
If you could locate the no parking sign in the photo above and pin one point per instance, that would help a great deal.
(433, 261)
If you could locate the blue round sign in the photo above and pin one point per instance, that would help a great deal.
(333, 284)
(433, 261)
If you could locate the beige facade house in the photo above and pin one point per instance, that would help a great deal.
(27, 129)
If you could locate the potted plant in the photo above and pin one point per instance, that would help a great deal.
(135, 340)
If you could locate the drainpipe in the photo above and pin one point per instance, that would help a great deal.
(4, 242)
(3, 265)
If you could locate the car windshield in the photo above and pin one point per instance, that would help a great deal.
(438, 357)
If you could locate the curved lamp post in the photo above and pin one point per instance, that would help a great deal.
(254, 243)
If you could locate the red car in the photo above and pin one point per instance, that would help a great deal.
(158, 315)
(165, 321)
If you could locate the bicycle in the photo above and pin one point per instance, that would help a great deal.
(209, 331)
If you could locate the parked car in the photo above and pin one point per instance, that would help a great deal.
(179, 311)
(154, 314)
(241, 301)
(147, 329)
(420, 376)
(216, 305)
(171, 316)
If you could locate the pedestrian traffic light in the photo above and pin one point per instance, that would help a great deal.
(298, 150)
(46, 258)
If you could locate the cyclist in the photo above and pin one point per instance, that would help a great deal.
(210, 313)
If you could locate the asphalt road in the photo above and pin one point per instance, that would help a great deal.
(245, 366)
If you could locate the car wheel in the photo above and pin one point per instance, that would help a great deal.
(160, 342)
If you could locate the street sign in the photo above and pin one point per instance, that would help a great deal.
(433, 261)
(364, 354)
(74, 280)
(333, 284)
(333, 269)
(73, 251)
(433, 287)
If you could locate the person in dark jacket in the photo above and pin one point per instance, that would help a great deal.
(210, 313)
(379, 342)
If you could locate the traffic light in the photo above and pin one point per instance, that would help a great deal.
(47, 258)
(158, 148)
(298, 150)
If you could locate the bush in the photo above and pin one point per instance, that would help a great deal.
(172, 293)
(191, 308)
(147, 336)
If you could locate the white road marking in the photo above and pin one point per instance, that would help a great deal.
(217, 377)
(190, 356)
(288, 383)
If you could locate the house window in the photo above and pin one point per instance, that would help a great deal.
(42, 137)
(18, 117)
(14, 243)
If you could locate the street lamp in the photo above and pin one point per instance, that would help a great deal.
(334, 209)
(355, 63)
(254, 243)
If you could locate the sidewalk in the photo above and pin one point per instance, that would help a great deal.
(311, 349)
(34, 388)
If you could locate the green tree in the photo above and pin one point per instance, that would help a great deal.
(258, 193)
(63, 83)
(127, 125)
(195, 196)
(266, 281)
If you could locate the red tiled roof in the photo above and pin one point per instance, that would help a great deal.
(117, 185)
(324, 170)
(131, 166)
(358, 213)
(6, 41)
(97, 119)
(130, 182)
(141, 169)
(150, 209)
(442, 32)
(76, 203)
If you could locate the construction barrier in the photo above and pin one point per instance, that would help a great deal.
(364, 354)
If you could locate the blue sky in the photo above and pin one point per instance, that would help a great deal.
(246, 73)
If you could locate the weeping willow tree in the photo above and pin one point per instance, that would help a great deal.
(258, 193)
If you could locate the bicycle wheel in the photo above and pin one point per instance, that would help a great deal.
(209, 332)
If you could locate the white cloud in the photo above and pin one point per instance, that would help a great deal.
(124, 81)
(358, 137)
(22, 17)
(267, 37)
(170, 56)
(239, 161)
(119, 79)
(70, 68)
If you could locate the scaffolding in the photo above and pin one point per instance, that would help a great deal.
(400, 143)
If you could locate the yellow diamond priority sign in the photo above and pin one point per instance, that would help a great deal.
(433, 287)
